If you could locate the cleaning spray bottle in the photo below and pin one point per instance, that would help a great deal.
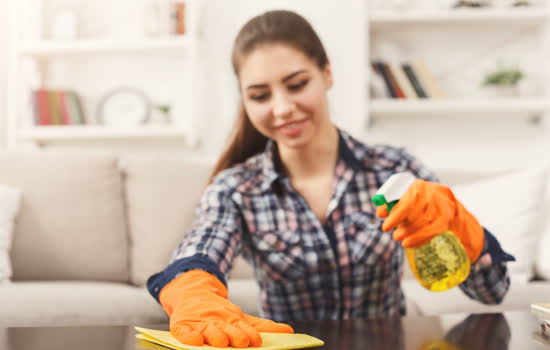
(441, 263)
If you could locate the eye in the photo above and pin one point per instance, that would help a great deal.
(260, 97)
(296, 87)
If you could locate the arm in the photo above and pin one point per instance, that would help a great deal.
(211, 245)
(192, 289)
(488, 281)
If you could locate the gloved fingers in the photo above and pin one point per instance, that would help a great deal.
(401, 233)
(186, 334)
(412, 204)
(420, 220)
(275, 327)
(420, 237)
(251, 332)
(263, 325)
(417, 240)
(215, 336)
(396, 217)
(382, 211)
(408, 206)
(237, 337)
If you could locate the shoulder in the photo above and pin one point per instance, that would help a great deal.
(243, 177)
(397, 159)
(386, 159)
(376, 156)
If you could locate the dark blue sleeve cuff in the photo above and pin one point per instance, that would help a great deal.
(156, 282)
(494, 249)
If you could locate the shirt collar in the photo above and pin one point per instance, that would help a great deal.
(350, 151)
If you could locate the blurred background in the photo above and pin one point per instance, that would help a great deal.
(461, 84)
(458, 83)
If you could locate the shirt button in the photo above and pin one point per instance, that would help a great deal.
(156, 289)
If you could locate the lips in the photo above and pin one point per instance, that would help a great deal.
(293, 128)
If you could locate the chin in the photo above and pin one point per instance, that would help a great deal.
(296, 142)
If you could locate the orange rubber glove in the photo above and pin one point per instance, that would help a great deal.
(428, 209)
(199, 312)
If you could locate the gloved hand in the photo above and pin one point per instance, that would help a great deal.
(199, 312)
(428, 209)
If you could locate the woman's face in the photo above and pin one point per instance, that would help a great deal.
(285, 94)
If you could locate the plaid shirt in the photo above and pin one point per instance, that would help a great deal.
(346, 268)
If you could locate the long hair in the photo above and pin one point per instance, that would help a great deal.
(272, 27)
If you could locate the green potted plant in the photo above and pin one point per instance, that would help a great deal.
(503, 81)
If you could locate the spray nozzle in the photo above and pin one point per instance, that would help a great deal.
(393, 189)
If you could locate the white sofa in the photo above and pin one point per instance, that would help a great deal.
(93, 226)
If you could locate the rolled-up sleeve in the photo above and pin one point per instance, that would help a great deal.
(488, 281)
(214, 240)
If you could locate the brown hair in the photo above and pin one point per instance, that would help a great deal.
(272, 27)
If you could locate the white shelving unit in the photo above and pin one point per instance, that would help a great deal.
(42, 52)
(530, 18)
(93, 132)
(450, 107)
(461, 16)
(52, 48)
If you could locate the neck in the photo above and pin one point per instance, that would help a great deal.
(315, 159)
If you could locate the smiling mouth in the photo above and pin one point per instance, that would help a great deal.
(293, 125)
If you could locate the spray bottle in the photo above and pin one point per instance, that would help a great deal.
(441, 263)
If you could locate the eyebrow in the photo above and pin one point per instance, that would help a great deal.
(284, 80)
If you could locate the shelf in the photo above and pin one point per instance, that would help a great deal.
(93, 132)
(485, 106)
(86, 46)
(463, 16)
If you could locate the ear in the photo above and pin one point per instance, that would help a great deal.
(327, 74)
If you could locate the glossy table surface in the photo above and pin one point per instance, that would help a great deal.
(514, 330)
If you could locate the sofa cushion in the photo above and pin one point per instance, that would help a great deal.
(61, 303)
(161, 197)
(71, 222)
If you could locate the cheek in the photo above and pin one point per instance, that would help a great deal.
(258, 115)
(313, 99)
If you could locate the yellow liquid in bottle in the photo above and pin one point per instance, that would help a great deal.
(440, 264)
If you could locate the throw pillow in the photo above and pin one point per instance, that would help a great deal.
(9, 207)
(511, 207)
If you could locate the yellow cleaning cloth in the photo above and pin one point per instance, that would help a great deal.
(270, 341)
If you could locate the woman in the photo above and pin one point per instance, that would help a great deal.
(292, 193)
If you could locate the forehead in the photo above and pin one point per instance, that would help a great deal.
(272, 63)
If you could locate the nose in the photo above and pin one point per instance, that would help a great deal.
(283, 106)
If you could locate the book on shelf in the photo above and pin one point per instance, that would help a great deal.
(427, 80)
(57, 107)
(415, 82)
(403, 81)
(379, 69)
(409, 80)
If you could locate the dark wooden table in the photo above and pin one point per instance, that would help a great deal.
(515, 330)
